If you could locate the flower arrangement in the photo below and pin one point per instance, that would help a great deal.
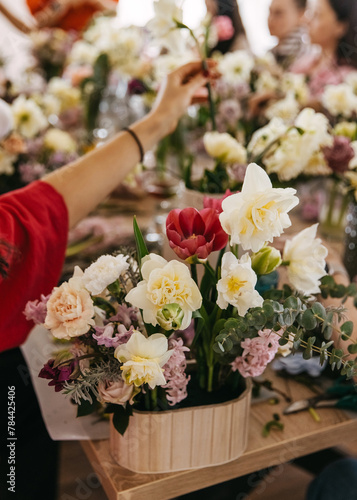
(131, 319)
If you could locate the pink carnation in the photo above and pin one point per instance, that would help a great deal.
(257, 353)
(36, 310)
(224, 27)
(174, 373)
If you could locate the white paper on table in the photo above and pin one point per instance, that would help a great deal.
(58, 413)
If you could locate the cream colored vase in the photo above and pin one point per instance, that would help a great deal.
(188, 438)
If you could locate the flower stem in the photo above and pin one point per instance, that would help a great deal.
(194, 272)
(210, 378)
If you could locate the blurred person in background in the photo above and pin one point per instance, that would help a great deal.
(332, 29)
(231, 31)
(286, 23)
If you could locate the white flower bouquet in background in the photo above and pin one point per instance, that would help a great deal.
(132, 319)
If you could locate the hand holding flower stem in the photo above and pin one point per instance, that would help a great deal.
(203, 52)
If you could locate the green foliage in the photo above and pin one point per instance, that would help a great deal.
(140, 242)
(121, 417)
(309, 325)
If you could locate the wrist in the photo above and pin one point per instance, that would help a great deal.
(151, 129)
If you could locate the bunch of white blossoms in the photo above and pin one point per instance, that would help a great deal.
(292, 152)
(340, 100)
(163, 26)
(224, 148)
(28, 117)
(236, 67)
(168, 295)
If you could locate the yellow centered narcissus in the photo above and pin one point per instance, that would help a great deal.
(259, 212)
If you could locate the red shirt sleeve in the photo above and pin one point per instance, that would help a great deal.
(34, 220)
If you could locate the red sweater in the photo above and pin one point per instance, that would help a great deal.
(34, 220)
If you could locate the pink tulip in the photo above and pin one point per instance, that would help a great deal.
(224, 27)
(195, 234)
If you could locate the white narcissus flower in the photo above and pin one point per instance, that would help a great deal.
(306, 256)
(6, 119)
(265, 136)
(237, 284)
(103, 272)
(259, 212)
(165, 283)
(224, 147)
(28, 117)
(235, 67)
(59, 140)
(340, 100)
(143, 359)
(163, 25)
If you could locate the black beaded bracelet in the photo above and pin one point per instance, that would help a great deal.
(137, 140)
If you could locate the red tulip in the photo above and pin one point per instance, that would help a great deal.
(216, 203)
(195, 234)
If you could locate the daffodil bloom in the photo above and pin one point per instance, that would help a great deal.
(259, 213)
(143, 359)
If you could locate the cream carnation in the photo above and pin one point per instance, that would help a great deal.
(70, 311)
(224, 147)
(143, 359)
(103, 272)
(58, 140)
(28, 117)
(306, 256)
(259, 213)
(237, 284)
(165, 283)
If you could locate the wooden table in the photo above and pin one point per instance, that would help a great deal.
(302, 435)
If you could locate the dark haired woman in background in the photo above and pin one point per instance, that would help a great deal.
(332, 27)
(286, 23)
(230, 9)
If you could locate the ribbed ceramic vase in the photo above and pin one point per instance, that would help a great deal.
(187, 438)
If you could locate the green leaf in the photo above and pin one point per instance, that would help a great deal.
(347, 329)
(87, 407)
(140, 242)
(352, 348)
(293, 303)
(319, 310)
(268, 309)
(309, 322)
(121, 417)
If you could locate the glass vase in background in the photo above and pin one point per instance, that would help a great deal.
(333, 212)
(350, 254)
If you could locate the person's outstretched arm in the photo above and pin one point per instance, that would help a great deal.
(89, 180)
